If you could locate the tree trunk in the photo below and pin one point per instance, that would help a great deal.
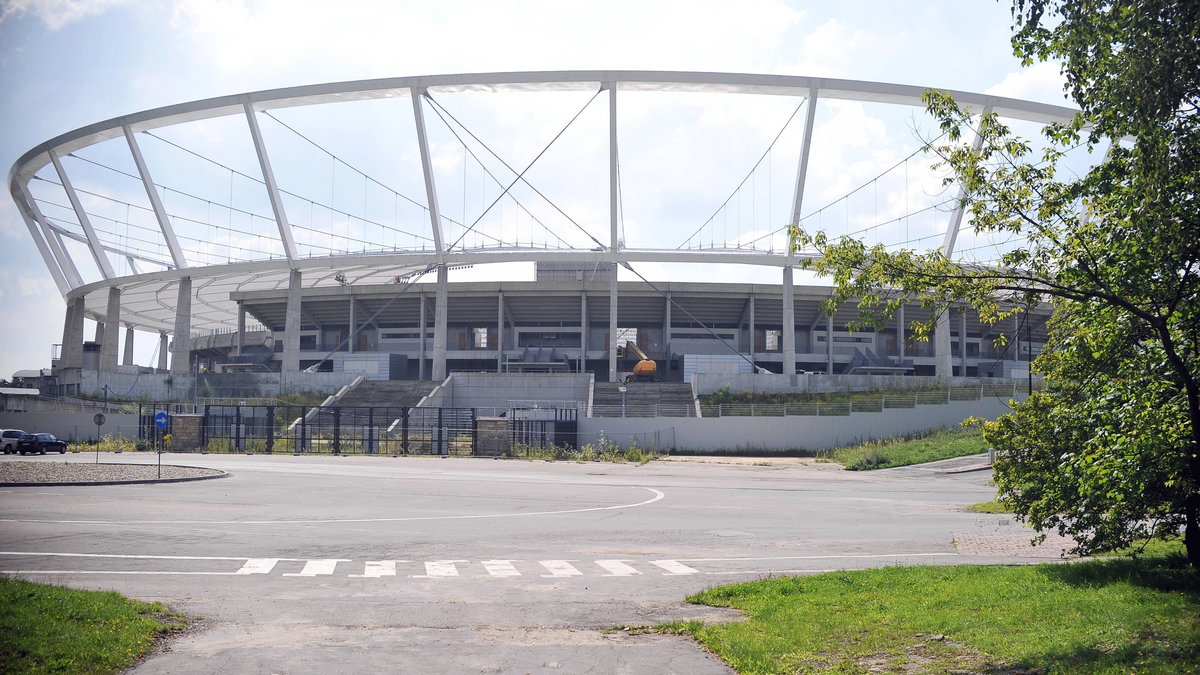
(1191, 530)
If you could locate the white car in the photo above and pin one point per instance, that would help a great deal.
(8, 440)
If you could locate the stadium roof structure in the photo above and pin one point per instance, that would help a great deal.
(141, 201)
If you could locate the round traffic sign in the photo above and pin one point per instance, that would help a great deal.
(160, 419)
(98, 419)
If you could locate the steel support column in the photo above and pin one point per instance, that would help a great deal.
(264, 163)
(94, 245)
(160, 213)
(613, 228)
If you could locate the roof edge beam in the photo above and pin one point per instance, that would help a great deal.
(285, 229)
(93, 241)
(164, 223)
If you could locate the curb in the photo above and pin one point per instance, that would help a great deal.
(969, 469)
(220, 474)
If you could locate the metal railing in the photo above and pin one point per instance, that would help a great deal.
(866, 403)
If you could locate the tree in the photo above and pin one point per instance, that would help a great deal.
(1109, 451)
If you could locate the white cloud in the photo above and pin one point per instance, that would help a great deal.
(57, 13)
(1040, 82)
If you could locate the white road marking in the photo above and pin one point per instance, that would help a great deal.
(501, 568)
(316, 568)
(438, 569)
(258, 566)
(617, 568)
(378, 568)
(657, 496)
(674, 567)
(560, 568)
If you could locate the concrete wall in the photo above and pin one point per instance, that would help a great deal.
(785, 434)
(71, 426)
(708, 383)
(492, 390)
(153, 386)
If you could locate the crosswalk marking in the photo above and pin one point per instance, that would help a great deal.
(435, 569)
(500, 568)
(674, 567)
(258, 566)
(315, 568)
(617, 568)
(373, 569)
(559, 568)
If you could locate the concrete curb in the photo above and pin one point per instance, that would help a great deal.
(219, 474)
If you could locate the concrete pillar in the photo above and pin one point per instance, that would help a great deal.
(789, 323)
(239, 343)
(583, 332)
(440, 312)
(127, 357)
(291, 324)
(666, 339)
(98, 338)
(612, 328)
(962, 342)
(353, 322)
(941, 346)
(72, 347)
(112, 330)
(901, 328)
(829, 345)
(499, 332)
(162, 351)
(421, 371)
(182, 342)
(750, 347)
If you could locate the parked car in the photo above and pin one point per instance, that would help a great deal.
(40, 443)
(8, 440)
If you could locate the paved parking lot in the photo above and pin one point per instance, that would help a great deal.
(321, 564)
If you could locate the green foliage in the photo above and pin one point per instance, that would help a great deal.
(1109, 452)
(1108, 616)
(49, 629)
(994, 506)
(108, 443)
(941, 444)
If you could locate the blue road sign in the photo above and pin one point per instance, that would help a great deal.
(160, 419)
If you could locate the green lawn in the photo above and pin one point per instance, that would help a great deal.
(48, 629)
(943, 444)
(1102, 616)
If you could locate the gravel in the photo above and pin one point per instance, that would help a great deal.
(76, 472)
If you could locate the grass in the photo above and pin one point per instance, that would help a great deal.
(943, 444)
(1114, 615)
(994, 506)
(48, 629)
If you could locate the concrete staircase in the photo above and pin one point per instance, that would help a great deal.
(643, 399)
(392, 393)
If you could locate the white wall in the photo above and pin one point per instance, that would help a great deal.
(789, 434)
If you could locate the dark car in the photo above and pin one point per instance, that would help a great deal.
(40, 443)
(8, 440)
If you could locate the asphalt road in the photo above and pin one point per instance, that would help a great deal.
(343, 564)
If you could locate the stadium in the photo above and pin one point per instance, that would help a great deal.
(259, 257)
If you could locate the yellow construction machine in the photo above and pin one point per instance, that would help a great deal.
(645, 370)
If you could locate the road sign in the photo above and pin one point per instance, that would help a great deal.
(160, 419)
(98, 419)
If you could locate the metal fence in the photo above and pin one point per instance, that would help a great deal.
(865, 402)
(366, 430)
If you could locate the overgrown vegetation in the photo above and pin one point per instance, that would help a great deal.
(605, 450)
(943, 444)
(1103, 616)
(48, 629)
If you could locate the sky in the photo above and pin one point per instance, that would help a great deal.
(68, 63)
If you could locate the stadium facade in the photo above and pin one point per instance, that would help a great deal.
(301, 304)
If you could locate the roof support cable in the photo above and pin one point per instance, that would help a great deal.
(754, 368)
(520, 176)
(468, 150)
(412, 279)
(748, 174)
